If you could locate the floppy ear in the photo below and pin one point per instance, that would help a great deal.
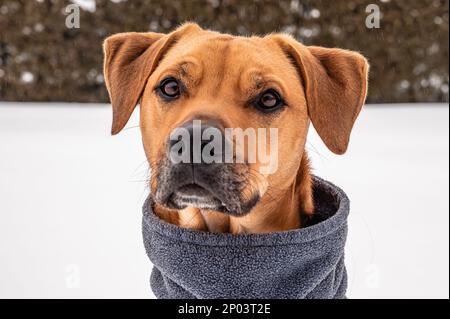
(130, 58)
(335, 82)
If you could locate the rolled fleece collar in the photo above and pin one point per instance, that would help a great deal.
(295, 264)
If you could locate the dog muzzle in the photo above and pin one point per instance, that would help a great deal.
(296, 264)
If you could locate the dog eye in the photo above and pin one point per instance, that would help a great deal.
(270, 100)
(170, 88)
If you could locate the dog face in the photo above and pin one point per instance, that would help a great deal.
(260, 85)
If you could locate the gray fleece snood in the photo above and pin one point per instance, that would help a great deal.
(295, 264)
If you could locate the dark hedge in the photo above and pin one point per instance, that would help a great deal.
(42, 60)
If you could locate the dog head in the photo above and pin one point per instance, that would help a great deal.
(254, 84)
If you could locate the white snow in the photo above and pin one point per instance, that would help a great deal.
(71, 196)
(26, 77)
(88, 5)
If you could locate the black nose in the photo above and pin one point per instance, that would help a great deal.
(198, 142)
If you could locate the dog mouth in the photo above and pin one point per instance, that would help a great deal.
(194, 195)
(211, 187)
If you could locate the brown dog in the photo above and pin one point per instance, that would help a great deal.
(233, 82)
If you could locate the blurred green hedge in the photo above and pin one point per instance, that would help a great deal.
(42, 60)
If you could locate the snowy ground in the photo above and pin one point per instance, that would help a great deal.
(70, 199)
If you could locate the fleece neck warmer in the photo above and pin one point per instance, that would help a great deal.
(295, 264)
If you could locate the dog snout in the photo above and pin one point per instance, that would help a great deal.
(196, 171)
(198, 142)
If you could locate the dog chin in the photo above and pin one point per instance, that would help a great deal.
(198, 197)
(203, 203)
(195, 196)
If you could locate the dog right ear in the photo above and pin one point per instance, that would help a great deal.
(130, 59)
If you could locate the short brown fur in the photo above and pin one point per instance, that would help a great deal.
(324, 86)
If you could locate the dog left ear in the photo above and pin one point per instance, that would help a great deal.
(335, 83)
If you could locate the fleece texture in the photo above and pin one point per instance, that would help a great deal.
(296, 264)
